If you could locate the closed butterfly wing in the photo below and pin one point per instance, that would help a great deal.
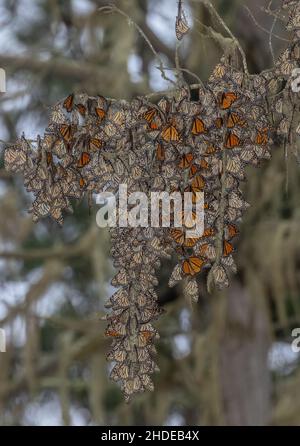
(232, 140)
(170, 134)
(198, 127)
(68, 103)
(84, 159)
(234, 119)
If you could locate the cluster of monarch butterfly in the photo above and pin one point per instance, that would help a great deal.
(134, 307)
(93, 144)
(285, 98)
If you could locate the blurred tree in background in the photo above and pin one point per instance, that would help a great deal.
(224, 361)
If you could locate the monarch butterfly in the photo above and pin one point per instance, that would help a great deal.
(179, 237)
(191, 288)
(192, 266)
(294, 21)
(110, 332)
(83, 160)
(49, 158)
(229, 263)
(227, 99)
(181, 26)
(160, 152)
(95, 144)
(120, 299)
(164, 105)
(131, 386)
(210, 150)
(66, 131)
(81, 182)
(68, 103)
(236, 202)
(147, 382)
(118, 118)
(198, 127)
(150, 328)
(147, 314)
(198, 184)
(209, 232)
(287, 3)
(220, 276)
(207, 251)
(262, 137)
(100, 113)
(231, 231)
(204, 164)
(147, 335)
(235, 167)
(177, 273)
(149, 115)
(219, 71)
(193, 170)
(81, 108)
(170, 134)
(227, 248)
(247, 155)
(232, 140)
(186, 161)
(120, 371)
(57, 116)
(117, 354)
(190, 242)
(234, 119)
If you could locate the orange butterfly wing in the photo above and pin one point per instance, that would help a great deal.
(178, 236)
(227, 99)
(100, 112)
(112, 333)
(81, 108)
(227, 248)
(198, 184)
(84, 159)
(66, 131)
(262, 137)
(190, 242)
(204, 164)
(186, 160)
(232, 141)
(68, 103)
(232, 230)
(193, 170)
(233, 120)
(49, 158)
(198, 127)
(170, 134)
(150, 114)
(209, 232)
(95, 144)
(192, 266)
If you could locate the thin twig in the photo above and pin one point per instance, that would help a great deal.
(111, 9)
(214, 12)
(270, 39)
(262, 28)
